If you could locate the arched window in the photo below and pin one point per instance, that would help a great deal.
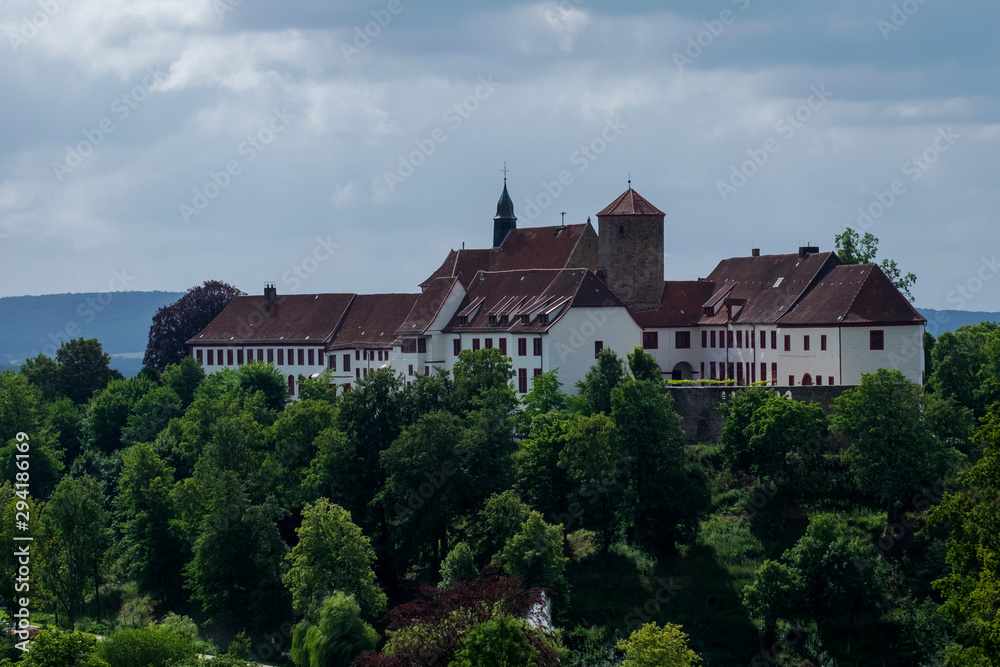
(807, 380)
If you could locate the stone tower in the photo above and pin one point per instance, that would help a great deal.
(630, 250)
(504, 220)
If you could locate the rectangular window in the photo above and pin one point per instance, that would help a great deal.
(538, 371)
(774, 372)
(249, 355)
(682, 340)
(302, 357)
(197, 355)
(788, 343)
(411, 370)
(347, 387)
(739, 339)
(822, 343)
(729, 339)
(522, 380)
(730, 370)
(650, 340)
(239, 357)
(537, 345)
(753, 373)
(704, 339)
(713, 338)
(270, 355)
(763, 371)
(711, 369)
(774, 340)
(830, 380)
(598, 346)
(877, 339)
(522, 347)
(409, 346)
(791, 380)
(357, 355)
(475, 344)
(703, 370)
(333, 362)
(357, 373)
(281, 356)
(364, 373)
(805, 343)
(422, 345)
(457, 345)
(291, 357)
(819, 380)
(347, 363)
(229, 357)
(211, 358)
(489, 344)
(763, 340)
(503, 346)
(427, 370)
(312, 357)
(739, 374)
(751, 343)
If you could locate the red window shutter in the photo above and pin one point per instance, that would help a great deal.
(822, 343)
(522, 380)
(312, 357)
(704, 339)
(788, 343)
(774, 340)
(522, 347)
(763, 340)
(475, 344)
(538, 346)
(457, 344)
(503, 346)
(302, 357)
(281, 357)
(805, 343)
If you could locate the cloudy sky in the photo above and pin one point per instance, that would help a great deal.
(347, 146)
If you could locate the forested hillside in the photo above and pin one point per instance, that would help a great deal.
(430, 523)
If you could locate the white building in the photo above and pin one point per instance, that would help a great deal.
(553, 297)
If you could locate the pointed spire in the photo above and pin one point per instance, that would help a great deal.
(504, 220)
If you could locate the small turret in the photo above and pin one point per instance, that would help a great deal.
(504, 220)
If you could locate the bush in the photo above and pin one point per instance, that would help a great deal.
(155, 646)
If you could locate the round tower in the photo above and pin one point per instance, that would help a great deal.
(630, 250)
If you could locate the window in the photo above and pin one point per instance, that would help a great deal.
(774, 340)
(249, 355)
(489, 344)
(525, 319)
(291, 357)
(357, 355)
(409, 346)
(739, 339)
(281, 356)
(333, 362)
(713, 339)
(598, 346)
(427, 370)
(682, 340)
(751, 343)
(774, 372)
(411, 370)
(729, 339)
(822, 343)
(704, 339)
(503, 346)
(807, 380)
(711, 369)
(650, 340)
(291, 385)
(270, 355)
(702, 370)
(457, 345)
(302, 357)
(791, 380)
(788, 343)
(805, 343)
(763, 340)
(730, 370)
(537, 344)
(260, 354)
(543, 318)
(753, 373)
(347, 363)
(522, 380)
(422, 345)
(312, 357)
(475, 344)
(522, 347)
(239, 357)
(538, 371)
(830, 380)
(877, 339)
(357, 373)
(819, 380)
(763, 371)
(197, 355)
(229, 357)
(739, 374)
(347, 387)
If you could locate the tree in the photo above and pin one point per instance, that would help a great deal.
(964, 367)
(20, 406)
(458, 564)
(51, 648)
(109, 410)
(653, 646)
(84, 368)
(642, 365)
(332, 555)
(595, 388)
(43, 372)
(74, 536)
(264, 378)
(590, 458)
(338, 636)
(504, 641)
(184, 378)
(294, 433)
(182, 320)
(536, 555)
(855, 249)
(541, 482)
(502, 516)
(154, 646)
(151, 414)
(892, 452)
(546, 396)
(771, 597)
(737, 413)
(65, 420)
(46, 463)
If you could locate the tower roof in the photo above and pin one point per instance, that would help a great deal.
(631, 203)
(505, 207)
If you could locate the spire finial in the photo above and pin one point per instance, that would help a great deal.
(630, 180)
(505, 170)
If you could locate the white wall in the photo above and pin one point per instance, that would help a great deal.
(569, 345)
(904, 350)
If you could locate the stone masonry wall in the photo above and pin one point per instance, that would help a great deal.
(633, 261)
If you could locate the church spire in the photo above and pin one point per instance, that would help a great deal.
(505, 220)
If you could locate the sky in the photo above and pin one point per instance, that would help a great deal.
(348, 146)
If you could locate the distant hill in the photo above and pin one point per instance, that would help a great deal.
(939, 321)
(32, 325)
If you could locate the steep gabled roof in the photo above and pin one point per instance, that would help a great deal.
(427, 306)
(372, 320)
(298, 318)
(680, 306)
(771, 285)
(853, 294)
(534, 292)
(526, 248)
(630, 203)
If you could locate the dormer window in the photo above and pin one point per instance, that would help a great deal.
(543, 318)
(493, 320)
(525, 319)
(504, 320)
(463, 320)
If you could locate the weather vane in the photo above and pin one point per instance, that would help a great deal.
(505, 171)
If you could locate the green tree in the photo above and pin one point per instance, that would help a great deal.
(293, 435)
(338, 636)
(541, 482)
(590, 458)
(958, 361)
(893, 452)
(108, 412)
(43, 372)
(772, 596)
(503, 641)
(501, 518)
(852, 248)
(154, 646)
(184, 378)
(84, 368)
(596, 386)
(642, 365)
(653, 646)
(536, 555)
(546, 396)
(20, 406)
(332, 555)
(74, 536)
(737, 413)
(51, 648)
(264, 378)
(151, 414)
(458, 564)
(65, 420)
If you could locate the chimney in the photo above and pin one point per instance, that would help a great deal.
(806, 249)
(271, 299)
(755, 252)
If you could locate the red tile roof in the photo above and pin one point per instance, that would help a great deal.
(853, 294)
(372, 320)
(427, 306)
(681, 305)
(532, 292)
(630, 203)
(299, 318)
(527, 248)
